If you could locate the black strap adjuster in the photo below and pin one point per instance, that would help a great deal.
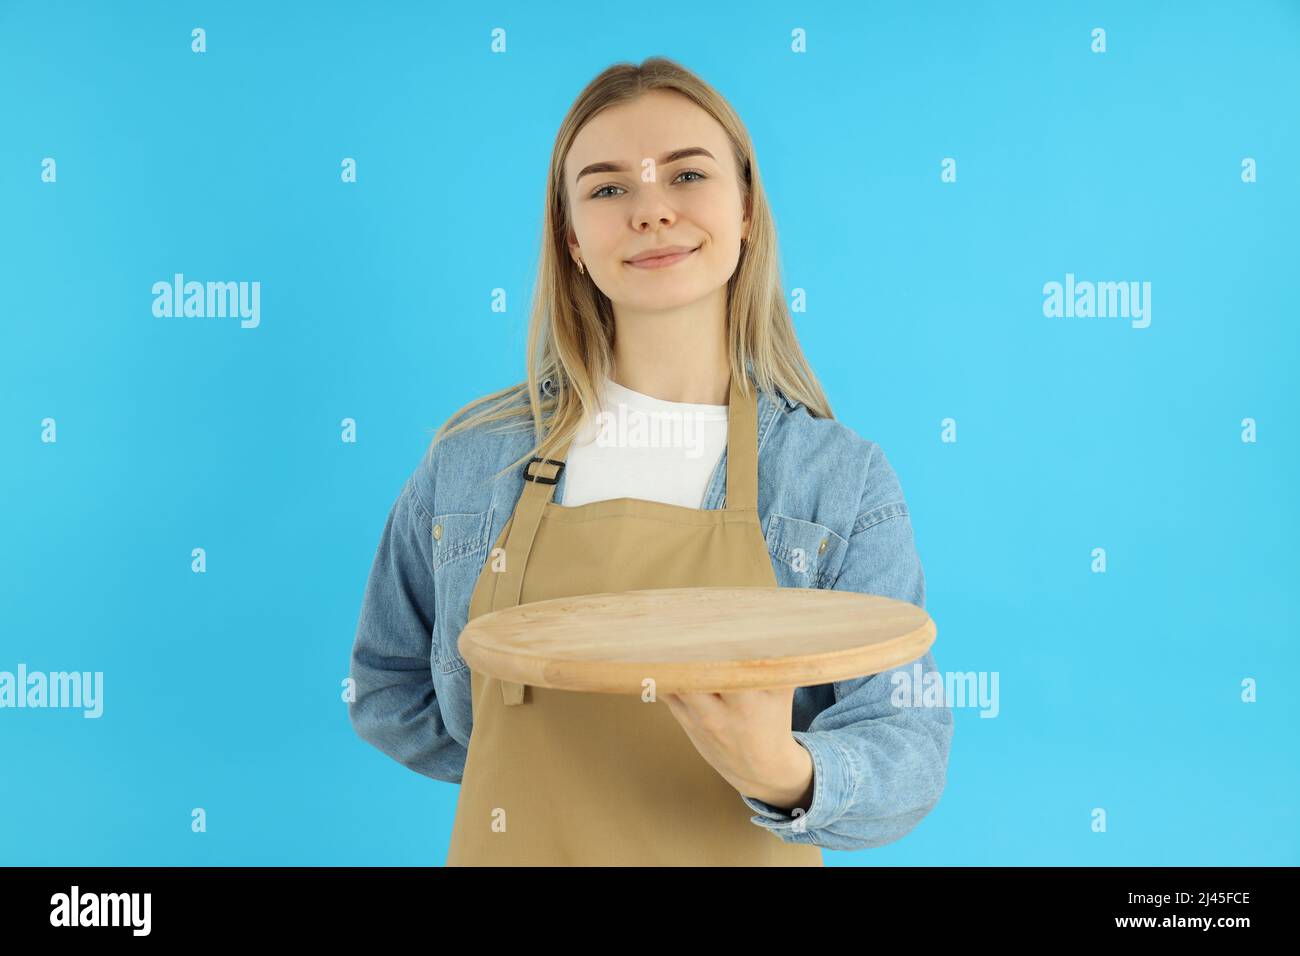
(540, 478)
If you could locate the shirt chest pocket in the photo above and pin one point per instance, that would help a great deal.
(458, 536)
(459, 547)
(805, 554)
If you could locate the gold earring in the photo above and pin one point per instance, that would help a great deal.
(580, 267)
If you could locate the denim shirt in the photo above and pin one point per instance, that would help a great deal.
(833, 516)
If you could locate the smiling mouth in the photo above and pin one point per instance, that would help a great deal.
(660, 262)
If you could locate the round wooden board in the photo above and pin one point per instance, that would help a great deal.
(696, 640)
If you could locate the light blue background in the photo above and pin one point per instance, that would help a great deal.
(222, 690)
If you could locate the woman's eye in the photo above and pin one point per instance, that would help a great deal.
(601, 194)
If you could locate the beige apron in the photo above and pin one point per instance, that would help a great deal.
(565, 778)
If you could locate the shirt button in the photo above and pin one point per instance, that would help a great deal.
(821, 548)
(437, 532)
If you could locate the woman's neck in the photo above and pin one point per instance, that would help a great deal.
(678, 355)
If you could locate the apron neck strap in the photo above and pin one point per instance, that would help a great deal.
(742, 447)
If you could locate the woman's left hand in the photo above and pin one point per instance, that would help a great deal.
(745, 735)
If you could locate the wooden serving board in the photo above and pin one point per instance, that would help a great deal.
(696, 640)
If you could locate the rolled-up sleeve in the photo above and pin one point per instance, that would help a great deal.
(395, 706)
(880, 757)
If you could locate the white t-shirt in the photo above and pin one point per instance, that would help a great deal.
(638, 446)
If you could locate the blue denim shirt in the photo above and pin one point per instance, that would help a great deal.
(878, 767)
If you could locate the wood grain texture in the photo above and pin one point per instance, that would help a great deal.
(696, 640)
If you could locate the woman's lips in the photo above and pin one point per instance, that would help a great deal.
(661, 262)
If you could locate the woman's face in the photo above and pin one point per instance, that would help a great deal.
(648, 174)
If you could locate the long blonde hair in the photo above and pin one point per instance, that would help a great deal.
(571, 328)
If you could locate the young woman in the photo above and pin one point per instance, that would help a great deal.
(659, 297)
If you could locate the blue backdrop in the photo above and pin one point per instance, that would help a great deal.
(1165, 152)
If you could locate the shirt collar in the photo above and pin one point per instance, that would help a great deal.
(547, 388)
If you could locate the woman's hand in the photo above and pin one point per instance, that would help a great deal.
(745, 735)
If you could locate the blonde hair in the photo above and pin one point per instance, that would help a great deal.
(571, 328)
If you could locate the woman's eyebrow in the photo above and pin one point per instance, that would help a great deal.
(669, 157)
